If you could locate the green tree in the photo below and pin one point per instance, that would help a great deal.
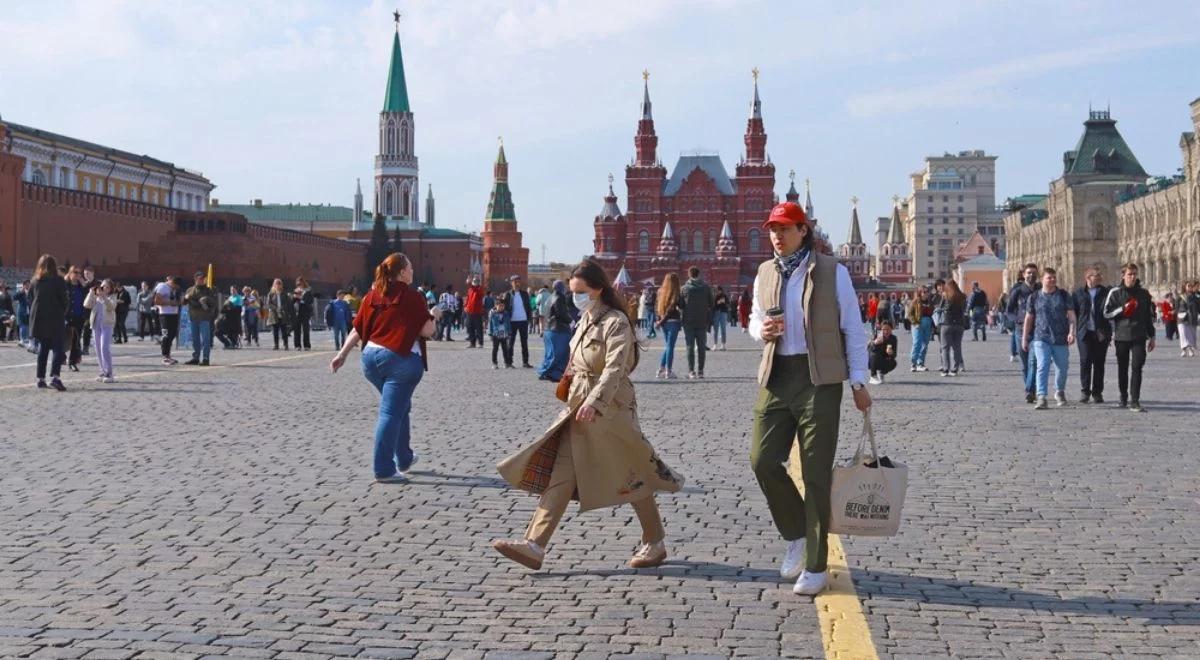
(378, 249)
(396, 243)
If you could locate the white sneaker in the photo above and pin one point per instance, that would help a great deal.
(1060, 398)
(875, 380)
(882, 379)
(811, 584)
(922, 368)
(691, 375)
(793, 560)
(109, 379)
(1012, 358)
(411, 465)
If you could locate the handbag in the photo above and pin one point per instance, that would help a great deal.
(868, 491)
(563, 390)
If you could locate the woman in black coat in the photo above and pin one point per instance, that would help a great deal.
(47, 319)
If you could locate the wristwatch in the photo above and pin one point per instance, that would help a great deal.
(854, 387)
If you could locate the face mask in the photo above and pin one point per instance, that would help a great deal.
(582, 301)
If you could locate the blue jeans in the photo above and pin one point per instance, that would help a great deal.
(1014, 348)
(339, 335)
(201, 339)
(670, 335)
(396, 378)
(1028, 362)
(720, 323)
(651, 317)
(1044, 353)
(558, 349)
(23, 332)
(921, 335)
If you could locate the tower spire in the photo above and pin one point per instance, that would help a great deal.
(756, 137)
(646, 142)
(756, 104)
(792, 194)
(808, 205)
(646, 95)
(896, 229)
(395, 99)
(855, 237)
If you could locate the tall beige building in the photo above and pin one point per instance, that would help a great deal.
(1158, 224)
(951, 199)
(1075, 227)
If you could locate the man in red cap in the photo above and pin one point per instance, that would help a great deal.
(805, 311)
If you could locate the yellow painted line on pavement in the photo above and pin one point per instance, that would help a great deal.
(844, 630)
(185, 369)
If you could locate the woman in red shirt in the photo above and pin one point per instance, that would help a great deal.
(394, 323)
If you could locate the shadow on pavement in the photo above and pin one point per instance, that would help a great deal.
(454, 480)
(682, 569)
(923, 589)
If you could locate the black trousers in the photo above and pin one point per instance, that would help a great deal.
(881, 365)
(87, 338)
(45, 347)
(120, 332)
(145, 324)
(475, 329)
(501, 345)
(1130, 384)
(521, 328)
(170, 330)
(280, 330)
(75, 327)
(300, 331)
(1092, 353)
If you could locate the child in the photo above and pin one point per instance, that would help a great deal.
(103, 303)
(229, 325)
(499, 329)
(338, 318)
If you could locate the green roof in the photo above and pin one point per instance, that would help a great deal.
(268, 213)
(440, 232)
(1102, 151)
(396, 97)
(500, 206)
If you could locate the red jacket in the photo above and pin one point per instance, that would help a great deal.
(474, 304)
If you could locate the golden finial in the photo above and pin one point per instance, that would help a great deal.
(754, 72)
(854, 201)
(646, 74)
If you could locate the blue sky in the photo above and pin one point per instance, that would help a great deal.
(279, 99)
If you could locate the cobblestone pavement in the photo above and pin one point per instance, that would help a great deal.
(229, 511)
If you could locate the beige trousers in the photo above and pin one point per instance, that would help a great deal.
(557, 496)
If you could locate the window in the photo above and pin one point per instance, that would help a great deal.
(122, 188)
(945, 231)
(960, 198)
(945, 209)
(87, 185)
(945, 198)
(698, 241)
(405, 207)
(929, 210)
(391, 137)
(960, 209)
(643, 241)
(387, 200)
(712, 239)
(754, 234)
(683, 243)
(959, 220)
(64, 178)
(404, 138)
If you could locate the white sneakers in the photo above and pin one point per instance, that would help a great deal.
(811, 584)
(876, 380)
(793, 560)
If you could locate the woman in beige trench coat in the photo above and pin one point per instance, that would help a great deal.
(594, 451)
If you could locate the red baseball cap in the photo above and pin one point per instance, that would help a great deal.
(787, 213)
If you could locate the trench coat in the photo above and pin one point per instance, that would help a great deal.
(614, 463)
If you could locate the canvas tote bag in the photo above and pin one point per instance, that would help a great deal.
(868, 491)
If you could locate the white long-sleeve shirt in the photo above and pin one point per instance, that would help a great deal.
(793, 340)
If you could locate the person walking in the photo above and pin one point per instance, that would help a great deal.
(1131, 311)
(281, 314)
(745, 304)
(168, 300)
(338, 319)
(1166, 312)
(499, 328)
(302, 298)
(650, 295)
(720, 316)
(882, 358)
(595, 450)
(951, 329)
(807, 316)
(202, 311)
(557, 334)
(251, 307)
(696, 304)
(49, 302)
(1018, 299)
(473, 306)
(1093, 333)
(102, 300)
(977, 305)
(448, 303)
(87, 281)
(520, 310)
(670, 319)
(920, 315)
(21, 300)
(145, 312)
(544, 299)
(1188, 314)
(1050, 321)
(120, 334)
(394, 322)
(76, 317)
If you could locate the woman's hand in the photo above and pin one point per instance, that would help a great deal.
(586, 414)
(337, 362)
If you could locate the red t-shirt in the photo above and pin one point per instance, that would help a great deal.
(394, 319)
(474, 303)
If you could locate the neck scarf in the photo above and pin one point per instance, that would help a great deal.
(787, 264)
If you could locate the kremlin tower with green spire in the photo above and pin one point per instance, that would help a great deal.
(396, 184)
(503, 255)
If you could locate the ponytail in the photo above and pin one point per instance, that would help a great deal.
(387, 270)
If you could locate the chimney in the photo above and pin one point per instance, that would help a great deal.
(258, 203)
(214, 202)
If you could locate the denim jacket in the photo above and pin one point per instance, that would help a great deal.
(498, 324)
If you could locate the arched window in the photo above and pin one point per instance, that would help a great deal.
(388, 208)
(698, 241)
(754, 246)
(87, 185)
(712, 239)
(405, 207)
(391, 137)
(683, 242)
(643, 241)
(404, 137)
(64, 178)
(38, 177)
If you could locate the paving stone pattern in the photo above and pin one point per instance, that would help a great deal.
(229, 512)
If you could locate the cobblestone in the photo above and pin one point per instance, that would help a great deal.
(229, 511)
